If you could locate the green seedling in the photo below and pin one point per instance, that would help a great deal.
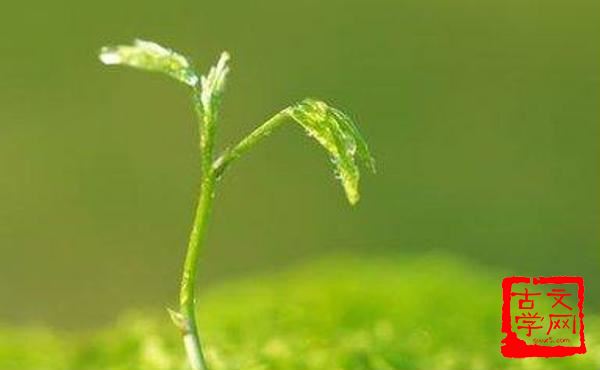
(330, 127)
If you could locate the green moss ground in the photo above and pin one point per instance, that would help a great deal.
(430, 313)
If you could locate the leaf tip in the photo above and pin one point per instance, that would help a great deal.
(353, 197)
(225, 57)
(109, 56)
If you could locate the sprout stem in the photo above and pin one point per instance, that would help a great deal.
(187, 299)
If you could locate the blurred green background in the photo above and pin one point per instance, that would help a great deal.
(483, 116)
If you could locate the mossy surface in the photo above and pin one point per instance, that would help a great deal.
(430, 313)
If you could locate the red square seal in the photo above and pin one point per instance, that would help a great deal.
(542, 316)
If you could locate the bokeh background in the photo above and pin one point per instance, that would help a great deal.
(483, 116)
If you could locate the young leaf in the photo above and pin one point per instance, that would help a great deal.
(150, 56)
(213, 84)
(336, 132)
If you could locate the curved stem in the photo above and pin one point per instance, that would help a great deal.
(187, 300)
(186, 319)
